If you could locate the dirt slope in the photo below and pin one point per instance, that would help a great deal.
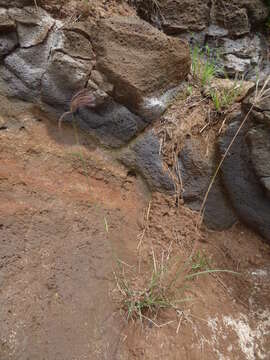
(61, 233)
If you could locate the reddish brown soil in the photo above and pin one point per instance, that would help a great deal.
(63, 224)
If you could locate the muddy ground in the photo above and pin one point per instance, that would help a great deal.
(68, 212)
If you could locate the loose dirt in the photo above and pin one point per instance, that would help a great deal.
(68, 213)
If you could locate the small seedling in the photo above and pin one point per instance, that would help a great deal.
(200, 262)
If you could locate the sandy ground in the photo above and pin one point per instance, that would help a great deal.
(65, 221)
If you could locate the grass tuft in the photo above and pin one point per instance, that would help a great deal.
(164, 288)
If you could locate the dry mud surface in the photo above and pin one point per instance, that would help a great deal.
(63, 223)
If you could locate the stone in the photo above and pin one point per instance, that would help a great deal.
(8, 42)
(143, 156)
(29, 64)
(235, 65)
(238, 15)
(74, 44)
(6, 23)
(101, 82)
(64, 77)
(138, 60)
(196, 173)
(16, 3)
(257, 10)
(246, 47)
(260, 107)
(111, 123)
(231, 17)
(12, 86)
(259, 143)
(215, 31)
(33, 25)
(242, 185)
(176, 16)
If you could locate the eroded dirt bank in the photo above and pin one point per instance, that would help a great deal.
(67, 212)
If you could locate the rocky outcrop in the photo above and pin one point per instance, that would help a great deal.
(133, 64)
(244, 188)
(259, 143)
(143, 156)
(138, 60)
(127, 68)
(196, 172)
(228, 27)
(175, 17)
(112, 123)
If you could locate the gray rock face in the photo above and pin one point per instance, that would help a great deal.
(8, 42)
(259, 144)
(32, 26)
(14, 87)
(29, 65)
(243, 187)
(143, 156)
(8, 35)
(196, 172)
(227, 27)
(132, 63)
(260, 110)
(63, 77)
(113, 124)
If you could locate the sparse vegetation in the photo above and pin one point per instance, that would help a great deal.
(164, 288)
(203, 66)
(224, 98)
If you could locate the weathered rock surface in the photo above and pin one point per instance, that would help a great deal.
(260, 110)
(177, 16)
(32, 26)
(139, 60)
(229, 27)
(242, 185)
(137, 66)
(64, 76)
(196, 172)
(144, 157)
(259, 144)
(113, 124)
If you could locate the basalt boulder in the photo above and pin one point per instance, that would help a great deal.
(143, 156)
(196, 172)
(244, 187)
(139, 60)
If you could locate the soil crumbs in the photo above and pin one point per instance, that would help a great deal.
(68, 213)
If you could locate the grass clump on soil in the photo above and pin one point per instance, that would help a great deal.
(144, 295)
(204, 69)
(223, 99)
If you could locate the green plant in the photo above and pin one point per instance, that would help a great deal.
(163, 289)
(200, 262)
(223, 98)
(203, 65)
